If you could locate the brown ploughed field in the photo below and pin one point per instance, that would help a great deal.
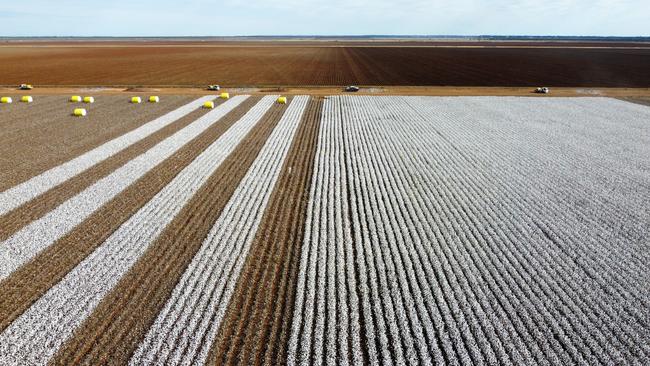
(326, 64)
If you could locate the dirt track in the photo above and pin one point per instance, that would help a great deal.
(308, 65)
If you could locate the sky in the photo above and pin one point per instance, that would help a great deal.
(333, 17)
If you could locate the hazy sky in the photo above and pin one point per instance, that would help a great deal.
(333, 17)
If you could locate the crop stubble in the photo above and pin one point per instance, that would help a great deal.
(43, 134)
(119, 323)
(23, 215)
(41, 183)
(34, 278)
(255, 329)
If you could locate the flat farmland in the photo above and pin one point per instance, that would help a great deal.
(327, 231)
(325, 64)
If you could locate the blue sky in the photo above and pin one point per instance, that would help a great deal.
(333, 17)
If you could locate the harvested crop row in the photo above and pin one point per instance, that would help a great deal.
(41, 233)
(256, 326)
(29, 282)
(185, 329)
(19, 217)
(41, 183)
(68, 145)
(119, 323)
(35, 116)
(67, 304)
(456, 255)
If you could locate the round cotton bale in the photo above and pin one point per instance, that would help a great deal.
(154, 99)
(136, 100)
(225, 95)
(208, 105)
(26, 99)
(76, 98)
(282, 100)
(79, 112)
(6, 100)
(89, 100)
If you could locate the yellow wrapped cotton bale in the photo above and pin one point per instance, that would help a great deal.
(208, 105)
(75, 98)
(79, 112)
(6, 100)
(89, 100)
(282, 100)
(26, 99)
(154, 99)
(224, 95)
(136, 100)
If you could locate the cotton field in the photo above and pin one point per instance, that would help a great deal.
(341, 230)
